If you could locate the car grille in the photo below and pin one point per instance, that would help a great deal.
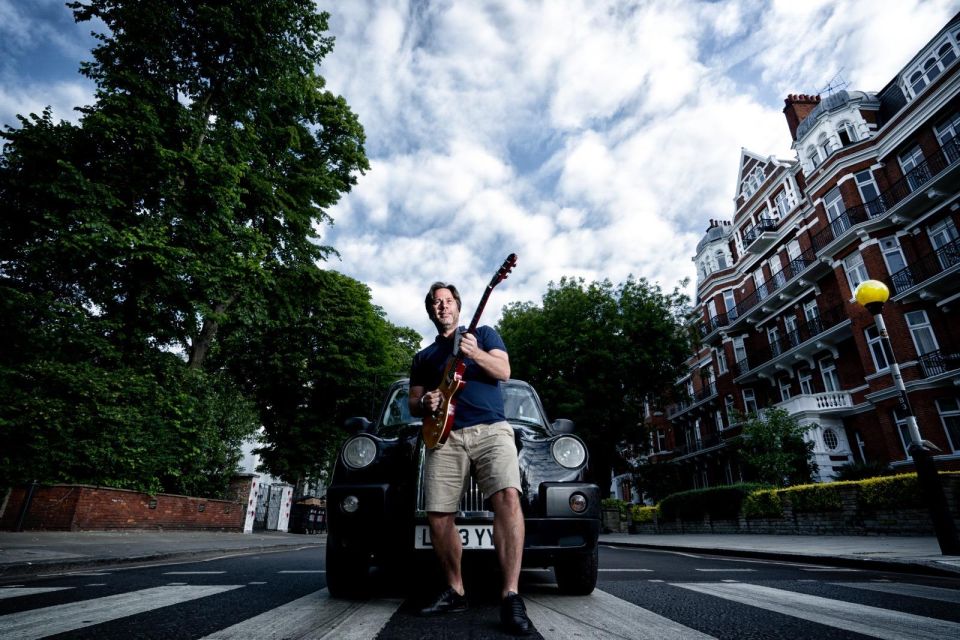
(471, 502)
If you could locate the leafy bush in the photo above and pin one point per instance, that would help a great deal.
(862, 470)
(763, 503)
(643, 514)
(616, 503)
(892, 492)
(806, 498)
(721, 503)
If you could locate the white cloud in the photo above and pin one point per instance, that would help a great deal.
(593, 138)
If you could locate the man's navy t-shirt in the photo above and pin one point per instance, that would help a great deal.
(479, 402)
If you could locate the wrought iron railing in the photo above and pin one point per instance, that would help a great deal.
(805, 331)
(948, 154)
(926, 267)
(933, 363)
(753, 232)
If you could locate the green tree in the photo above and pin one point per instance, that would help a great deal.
(772, 444)
(204, 169)
(312, 364)
(593, 352)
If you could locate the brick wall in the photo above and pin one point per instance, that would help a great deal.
(83, 507)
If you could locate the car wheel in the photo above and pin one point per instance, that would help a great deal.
(577, 574)
(347, 571)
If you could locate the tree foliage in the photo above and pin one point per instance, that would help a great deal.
(594, 352)
(772, 444)
(188, 196)
(312, 364)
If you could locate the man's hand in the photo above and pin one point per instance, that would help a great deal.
(495, 362)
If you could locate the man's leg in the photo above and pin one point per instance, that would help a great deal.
(508, 533)
(447, 546)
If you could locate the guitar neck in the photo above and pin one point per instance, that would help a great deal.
(479, 312)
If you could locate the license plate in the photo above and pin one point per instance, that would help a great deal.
(472, 536)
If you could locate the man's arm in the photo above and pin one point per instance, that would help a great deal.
(495, 363)
(413, 400)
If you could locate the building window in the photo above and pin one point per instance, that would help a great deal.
(782, 203)
(892, 255)
(949, 410)
(773, 338)
(947, 136)
(904, 430)
(847, 133)
(830, 439)
(912, 163)
(785, 389)
(943, 237)
(813, 156)
(721, 360)
(739, 350)
(870, 194)
(855, 269)
(922, 332)
(721, 260)
(878, 349)
(749, 401)
(836, 212)
(760, 283)
(828, 373)
(931, 67)
(718, 419)
(806, 381)
(730, 303)
(824, 146)
(730, 409)
(790, 324)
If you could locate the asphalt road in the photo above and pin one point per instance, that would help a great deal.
(641, 594)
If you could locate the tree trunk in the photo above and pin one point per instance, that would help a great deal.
(201, 346)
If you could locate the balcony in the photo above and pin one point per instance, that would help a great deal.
(712, 325)
(701, 396)
(812, 336)
(941, 169)
(760, 236)
(930, 276)
(786, 283)
(706, 444)
(831, 402)
(939, 362)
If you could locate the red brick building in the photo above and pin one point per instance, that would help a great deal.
(874, 193)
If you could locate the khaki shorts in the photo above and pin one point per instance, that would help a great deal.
(489, 449)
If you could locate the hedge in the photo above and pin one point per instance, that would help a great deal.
(643, 514)
(721, 503)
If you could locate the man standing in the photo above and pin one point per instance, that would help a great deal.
(482, 438)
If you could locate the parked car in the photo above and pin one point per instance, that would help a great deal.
(375, 498)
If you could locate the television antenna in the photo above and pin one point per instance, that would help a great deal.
(836, 83)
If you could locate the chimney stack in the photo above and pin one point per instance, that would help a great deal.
(798, 107)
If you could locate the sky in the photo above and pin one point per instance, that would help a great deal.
(593, 138)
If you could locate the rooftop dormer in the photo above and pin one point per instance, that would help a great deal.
(821, 127)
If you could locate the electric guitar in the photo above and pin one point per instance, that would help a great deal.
(437, 425)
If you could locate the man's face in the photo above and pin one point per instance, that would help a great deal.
(446, 314)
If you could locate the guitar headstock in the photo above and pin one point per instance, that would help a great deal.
(504, 270)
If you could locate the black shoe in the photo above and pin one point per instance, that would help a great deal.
(513, 615)
(449, 601)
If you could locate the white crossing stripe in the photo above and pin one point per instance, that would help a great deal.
(304, 571)
(601, 615)
(725, 570)
(834, 570)
(193, 573)
(315, 616)
(849, 616)
(906, 589)
(39, 623)
(15, 592)
(626, 570)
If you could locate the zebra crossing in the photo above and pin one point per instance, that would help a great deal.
(599, 615)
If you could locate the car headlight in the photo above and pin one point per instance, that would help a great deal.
(359, 452)
(568, 452)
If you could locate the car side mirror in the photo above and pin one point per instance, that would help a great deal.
(357, 425)
(562, 425)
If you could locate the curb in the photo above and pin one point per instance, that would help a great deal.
(871, 564)
(44, 567)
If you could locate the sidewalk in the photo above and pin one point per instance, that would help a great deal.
(912, 554)
(31, 553)
(42, 552)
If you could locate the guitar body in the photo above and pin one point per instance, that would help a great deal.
(437, 425)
